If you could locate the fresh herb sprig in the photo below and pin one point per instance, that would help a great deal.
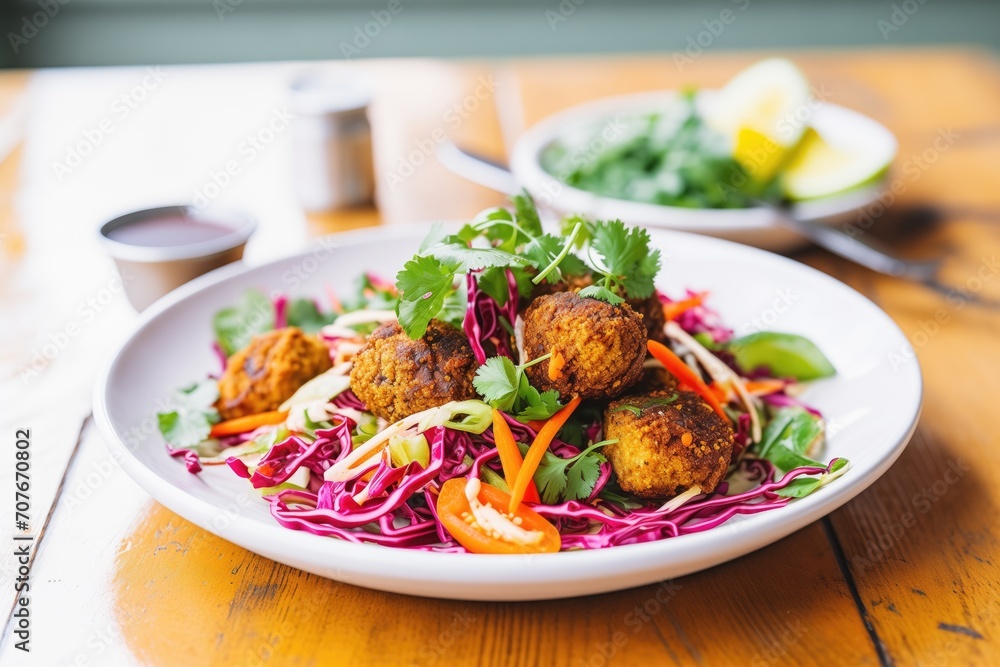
(649, 403)
(623, 262)
(560, 479)
(506, 388)
(499, 240)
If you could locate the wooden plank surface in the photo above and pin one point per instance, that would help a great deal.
(905, 574)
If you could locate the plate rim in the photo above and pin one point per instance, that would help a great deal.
(638, 560)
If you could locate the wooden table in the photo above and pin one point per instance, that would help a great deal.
(905, 574)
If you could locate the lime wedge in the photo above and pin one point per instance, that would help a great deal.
(822, 166)
(760, 111)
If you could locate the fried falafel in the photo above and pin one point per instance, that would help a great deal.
(669, 446)
(396, 376)
(597, 349)
(651, 309)
(265, 373)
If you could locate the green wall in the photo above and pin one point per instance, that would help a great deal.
(112, 32)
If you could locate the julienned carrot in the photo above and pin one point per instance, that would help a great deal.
(764, 387)
(510, 455)
(675, 309)
(537, 450)
(248, 423)
(685, 374)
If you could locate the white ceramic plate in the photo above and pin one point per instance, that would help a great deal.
(872, 406)
(754, 226)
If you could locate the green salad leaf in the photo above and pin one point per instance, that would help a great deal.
(803, 486)
(194, 413)
(788, 438)
(234, 326)
(304, 314)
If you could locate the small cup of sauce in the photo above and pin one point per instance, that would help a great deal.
(160, 249)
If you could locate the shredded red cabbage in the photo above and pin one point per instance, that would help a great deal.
(700, 319)
(284, 458)
(280, 311)
(484, 320)
(783, 400)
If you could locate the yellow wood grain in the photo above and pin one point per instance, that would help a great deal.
(239, 606)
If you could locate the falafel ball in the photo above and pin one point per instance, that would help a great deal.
(597, 349)
(265, 373)
(670, 446)
(651, 309)
(397, 376)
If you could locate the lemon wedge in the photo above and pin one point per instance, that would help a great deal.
(762, 112)
(823, 166)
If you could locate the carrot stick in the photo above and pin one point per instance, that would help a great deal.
(685, 374)
(764, 387)
(510, 455)
(674, 310)
(248, 423)
(537, 450)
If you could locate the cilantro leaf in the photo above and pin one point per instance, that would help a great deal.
(601, 293)
(652, 402)
(537, 406)
(235, 326)
(527, 213)
(424, 284)
(545, 249)
(190, 422)
(560, 479)
(436, 235)
(505, 387)
(498, 382)
(465, 259)
(625, 260)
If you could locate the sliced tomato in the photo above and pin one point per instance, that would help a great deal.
(453, 509)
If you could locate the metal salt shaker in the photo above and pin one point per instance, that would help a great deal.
(331, 142)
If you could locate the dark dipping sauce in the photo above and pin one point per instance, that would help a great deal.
(168, 230)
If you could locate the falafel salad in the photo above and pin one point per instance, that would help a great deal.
(513, 391)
